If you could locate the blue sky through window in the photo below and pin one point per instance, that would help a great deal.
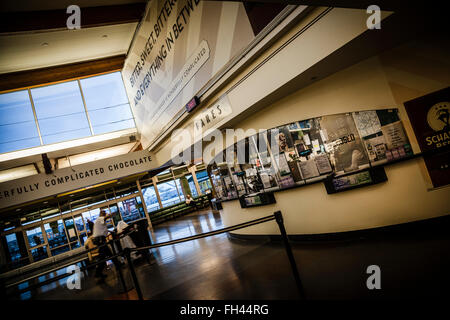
(61, 112)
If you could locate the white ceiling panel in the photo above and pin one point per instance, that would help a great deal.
(44, 49)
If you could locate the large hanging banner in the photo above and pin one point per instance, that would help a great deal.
(179, 47)
(430, 116)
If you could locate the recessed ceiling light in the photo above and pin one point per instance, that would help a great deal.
(45, 44)
(45, 202)
(18, 209)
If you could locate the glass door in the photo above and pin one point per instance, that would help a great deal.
(17, 255)
(71, 233)
(115, 213)
(81, 228)
(36, 243)
(57, 237)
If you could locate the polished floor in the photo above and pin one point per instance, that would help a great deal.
(412, 266)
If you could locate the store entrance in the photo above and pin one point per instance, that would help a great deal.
(37, 243)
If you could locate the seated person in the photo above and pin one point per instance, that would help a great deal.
(89, 244)
(191, 202)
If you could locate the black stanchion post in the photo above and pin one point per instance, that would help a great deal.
(287, 245)
(119, 267)
(133, 273)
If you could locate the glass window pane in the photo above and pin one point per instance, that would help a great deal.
(113, 126)
(57, 100)
(203, 181)
(70, 228)
(18, 144)
(130, 210)
(60, 112)
(150, 198)
(115, 214)
(64, 128)
(39, 253)
(56, 234)
(15, 107)
(79, 224)
(104, 91)
(35, 236)
(168, 193)
(17, 126)
(60, 250)
(180, 190)
(13, 247)
(192, 185)
(107, 103)
(110, 115)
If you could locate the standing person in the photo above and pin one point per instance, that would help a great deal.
(99, 239)
(210, 196)
(90, 225)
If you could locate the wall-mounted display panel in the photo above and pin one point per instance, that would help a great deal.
(312, 150)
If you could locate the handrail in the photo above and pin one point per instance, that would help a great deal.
(207, 234)
(82, 253)
(127, 251)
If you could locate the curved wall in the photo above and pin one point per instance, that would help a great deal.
(385, 81)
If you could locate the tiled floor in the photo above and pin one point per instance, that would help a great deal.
(412, 266)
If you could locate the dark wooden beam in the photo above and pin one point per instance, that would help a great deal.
(23, 79)
(11, 22)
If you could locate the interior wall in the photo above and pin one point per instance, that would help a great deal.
(283, 61)
(384, 81)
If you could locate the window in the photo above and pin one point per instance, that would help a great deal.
(107, 103)
(130, 209)
(17, 126)
(192, 185)
(56, 234)
(35, 237)
(64, 111)
(13, 247)
(203, 181)
(60, 112)
(150, 198)
(168, 192)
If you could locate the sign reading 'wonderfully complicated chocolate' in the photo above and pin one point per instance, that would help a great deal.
(68, 179)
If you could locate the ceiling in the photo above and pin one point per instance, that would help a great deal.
(34, 36)
(38, 50)
(34, 33)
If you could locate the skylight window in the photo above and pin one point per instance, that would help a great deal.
(63, 112)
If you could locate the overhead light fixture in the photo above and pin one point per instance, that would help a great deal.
(94, 155)
(17, 173)
(45, 44)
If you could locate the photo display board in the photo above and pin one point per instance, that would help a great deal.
(341, 146)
